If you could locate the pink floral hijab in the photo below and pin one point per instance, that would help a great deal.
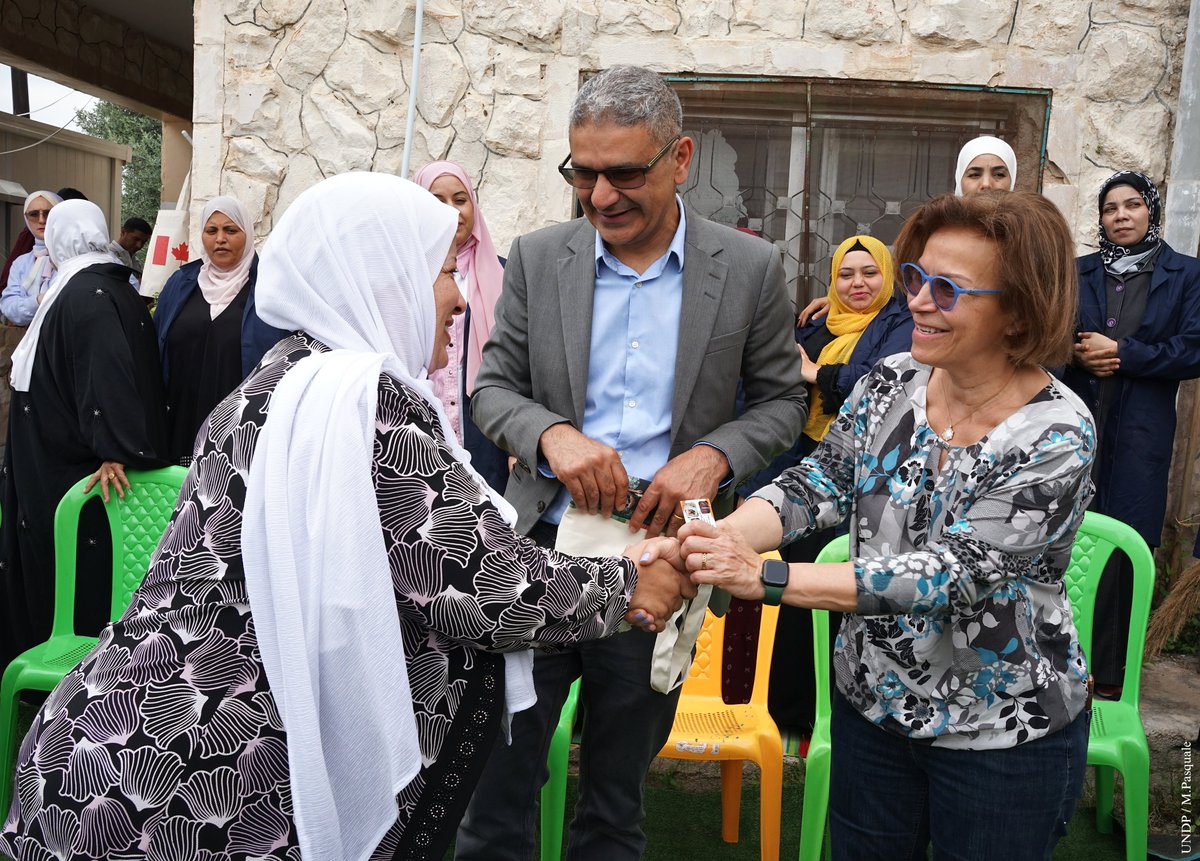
(477, 261)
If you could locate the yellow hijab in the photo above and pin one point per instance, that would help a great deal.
(847, 325)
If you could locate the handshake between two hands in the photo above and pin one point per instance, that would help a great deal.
(670, 569)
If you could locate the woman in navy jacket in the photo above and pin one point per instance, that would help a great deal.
(209, 338)
(868, 320)
(1138, 336)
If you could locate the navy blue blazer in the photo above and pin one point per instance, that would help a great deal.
(1135, 444)
(257, 336)
(888, 334)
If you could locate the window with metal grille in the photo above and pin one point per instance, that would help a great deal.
(808, 163)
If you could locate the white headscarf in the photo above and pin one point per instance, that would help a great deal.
(76, 238)
(985, 145)
(42, 269)
(352, 263)
(221, 286)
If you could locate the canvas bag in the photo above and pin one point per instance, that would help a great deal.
(168, 247)
(581, 534)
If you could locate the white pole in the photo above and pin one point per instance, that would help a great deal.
(412, 88)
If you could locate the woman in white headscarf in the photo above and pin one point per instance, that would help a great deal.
(29, 276)
(309, 665)
(87, 399)
(209, 335)
(985, 163)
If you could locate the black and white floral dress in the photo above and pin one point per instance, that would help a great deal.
(165, 743)
(963, 635)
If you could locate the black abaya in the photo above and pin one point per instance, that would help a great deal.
(205, 364)
(95, 395)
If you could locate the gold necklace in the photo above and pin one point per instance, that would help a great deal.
(948, 433)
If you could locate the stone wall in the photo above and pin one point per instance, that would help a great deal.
(294, 90)
(68, 40)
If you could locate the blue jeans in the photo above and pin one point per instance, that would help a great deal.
(890, 797)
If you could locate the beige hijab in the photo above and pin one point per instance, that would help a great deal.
(221, 286)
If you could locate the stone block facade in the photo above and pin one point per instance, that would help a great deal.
(289, 91)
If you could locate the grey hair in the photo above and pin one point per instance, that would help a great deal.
(630, 96)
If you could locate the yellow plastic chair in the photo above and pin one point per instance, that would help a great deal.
(708, 730)
(137, 524)
(1117, 739)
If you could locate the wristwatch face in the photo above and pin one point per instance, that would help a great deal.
(775, 573)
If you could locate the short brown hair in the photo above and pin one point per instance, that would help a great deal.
(1037, 273)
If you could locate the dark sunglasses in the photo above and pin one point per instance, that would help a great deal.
(942, 290)
(618, 177)
(37, 214)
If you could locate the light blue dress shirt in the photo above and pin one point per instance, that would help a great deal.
(631, 364)
(18, 306)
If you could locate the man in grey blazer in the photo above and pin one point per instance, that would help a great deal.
(619, 344)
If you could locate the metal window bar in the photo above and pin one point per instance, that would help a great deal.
(807, 163)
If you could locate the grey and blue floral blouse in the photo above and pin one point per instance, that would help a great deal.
(963, 635)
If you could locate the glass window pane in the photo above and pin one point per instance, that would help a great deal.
(807, 163)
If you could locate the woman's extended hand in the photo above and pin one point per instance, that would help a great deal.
(662, 583)
(720, 556)
(109, 471)
(808, 368)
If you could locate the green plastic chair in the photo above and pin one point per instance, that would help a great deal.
(816, 762)
(137, 525)
(1117, 739)
(554, 793)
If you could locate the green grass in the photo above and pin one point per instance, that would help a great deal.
(683, 822)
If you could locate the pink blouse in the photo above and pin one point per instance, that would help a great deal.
(448, 383)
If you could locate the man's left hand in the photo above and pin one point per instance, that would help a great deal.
(695, 474)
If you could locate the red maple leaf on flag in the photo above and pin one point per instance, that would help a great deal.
(180, 252)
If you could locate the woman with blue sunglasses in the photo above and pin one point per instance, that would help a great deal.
(959, 715)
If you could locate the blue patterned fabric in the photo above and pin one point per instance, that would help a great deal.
(963, 635)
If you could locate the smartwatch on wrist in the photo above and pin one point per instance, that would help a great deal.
(774, 580)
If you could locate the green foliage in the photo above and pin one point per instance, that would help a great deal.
(141, 178)
(1187, 641)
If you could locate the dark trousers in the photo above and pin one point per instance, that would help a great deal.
(625, 724)
(1110, 623)
(792, 695)
(890, 797)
